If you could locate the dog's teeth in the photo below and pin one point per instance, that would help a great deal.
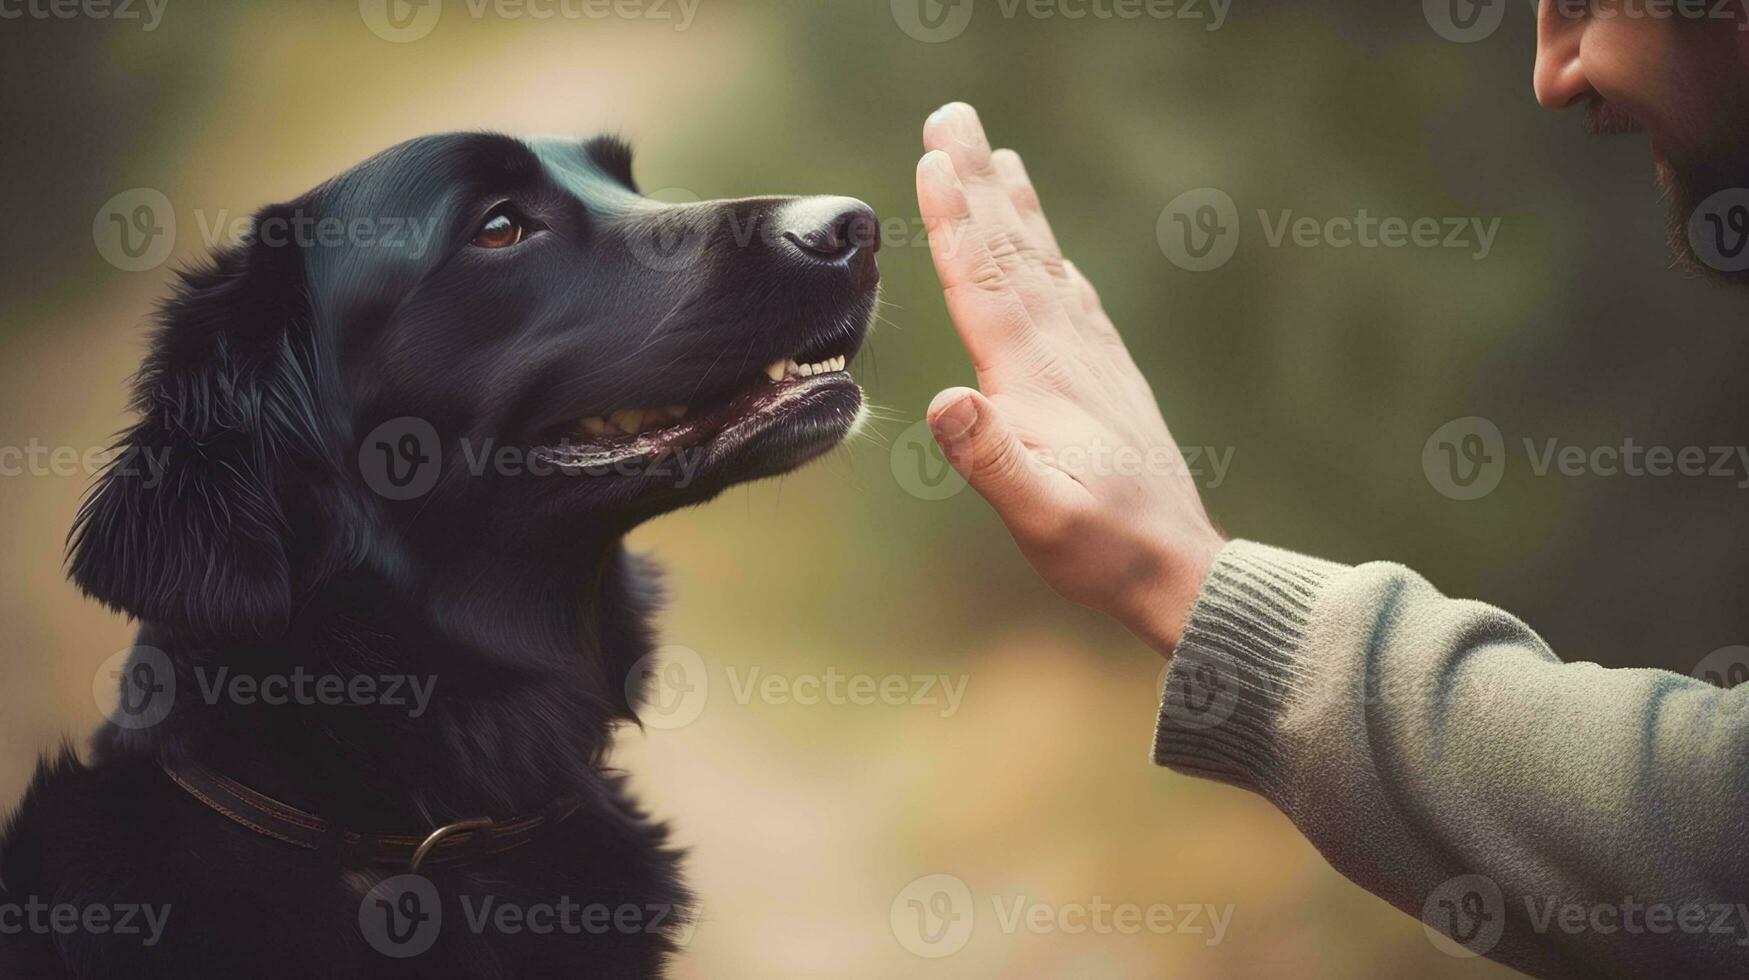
(629, 420)
(791, 369)
(594, 425)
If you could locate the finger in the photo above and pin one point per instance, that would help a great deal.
(1024, 261)
(1095, 325)
(956, 130)
(984, 449)
(990, 318)
(1011, 170)
(1085, 294)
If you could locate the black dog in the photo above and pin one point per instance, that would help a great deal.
(388, 448)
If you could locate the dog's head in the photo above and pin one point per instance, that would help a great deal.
(470, 346)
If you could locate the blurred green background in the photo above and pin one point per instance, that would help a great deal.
(1323, 371)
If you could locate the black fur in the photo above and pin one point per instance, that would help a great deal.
(239, 528)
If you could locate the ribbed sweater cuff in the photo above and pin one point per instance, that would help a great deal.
(1239, 663)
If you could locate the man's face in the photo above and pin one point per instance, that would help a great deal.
(1677, 70)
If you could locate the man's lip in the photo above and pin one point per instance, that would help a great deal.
(1606, 118)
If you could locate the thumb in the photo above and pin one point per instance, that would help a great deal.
(981, 446)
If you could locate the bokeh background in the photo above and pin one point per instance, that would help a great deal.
(1323, 371)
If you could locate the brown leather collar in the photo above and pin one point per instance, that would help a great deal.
(452, 844)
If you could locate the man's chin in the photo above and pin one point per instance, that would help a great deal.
(1707, 220)
(1703, 243)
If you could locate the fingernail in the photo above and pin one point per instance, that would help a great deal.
(949, 112)
(955, 420)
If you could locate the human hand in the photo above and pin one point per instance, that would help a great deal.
(1059, 394)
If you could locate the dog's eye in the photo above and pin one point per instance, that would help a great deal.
(502, 228)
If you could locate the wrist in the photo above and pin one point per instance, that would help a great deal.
(1160, 608)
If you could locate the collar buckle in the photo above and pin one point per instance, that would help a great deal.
(438, 836)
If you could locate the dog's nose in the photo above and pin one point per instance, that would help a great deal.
(829, 229)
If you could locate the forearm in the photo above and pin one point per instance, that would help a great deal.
(1416, 739)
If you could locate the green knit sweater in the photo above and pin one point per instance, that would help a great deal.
(1562, 818)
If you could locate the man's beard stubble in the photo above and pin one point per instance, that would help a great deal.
(1607, 119)
(1722, 231)
(1686, 186)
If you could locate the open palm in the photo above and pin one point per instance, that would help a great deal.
(1063, 437)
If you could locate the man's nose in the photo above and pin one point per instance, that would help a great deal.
(1560, 78)
(828, 229)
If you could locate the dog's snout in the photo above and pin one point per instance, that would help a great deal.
(830, 229)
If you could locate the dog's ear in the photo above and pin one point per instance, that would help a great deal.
(188, 526)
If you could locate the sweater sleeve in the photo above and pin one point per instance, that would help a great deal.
(1562, 818)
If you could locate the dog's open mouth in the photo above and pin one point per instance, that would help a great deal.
(818, 395)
